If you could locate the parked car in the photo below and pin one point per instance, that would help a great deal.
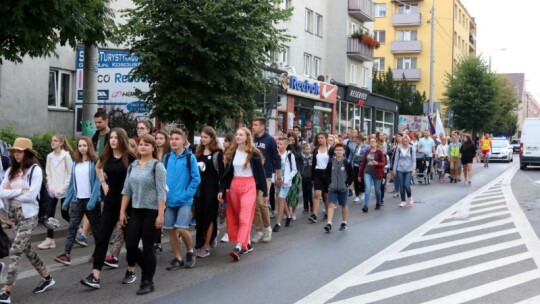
(515, 145)
(501, 150)
(529, 153)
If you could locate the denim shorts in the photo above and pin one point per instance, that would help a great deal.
(283, 191)
(338, 197)
(177, 217)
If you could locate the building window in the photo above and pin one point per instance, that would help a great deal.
(352, 73)
(307, 64)
(366, 128)
(285, 4)
(365, 77)
(406, 63)
(378, 64)
(316, 66)
(408, 8)
(309, 21)
(354, 27)
(407, 35)
(385, 122)
(281, 58)
(380, 36)
(380, 9)
(318, 25)
(59, 89)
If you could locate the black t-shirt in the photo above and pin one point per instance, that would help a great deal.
(116, 174)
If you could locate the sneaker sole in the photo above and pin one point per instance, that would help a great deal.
(45, 248)
(203, 256)
(312, 220)
(235, 256)
(46, 287)
(130, 281)
(174, 268)
(190, 266)
(57, 260)
(91, 285)
(113, 266)
(81, 243)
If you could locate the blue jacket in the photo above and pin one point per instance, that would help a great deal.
(94, 186)
(182, 183)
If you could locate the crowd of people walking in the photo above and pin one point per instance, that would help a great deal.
(133, 190)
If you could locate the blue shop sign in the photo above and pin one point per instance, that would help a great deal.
(304, 86)
(138, 107)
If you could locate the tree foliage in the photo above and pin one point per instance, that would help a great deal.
(35, 28)
(472, 93)
(410, 100)
(506, 120)
(203, 59)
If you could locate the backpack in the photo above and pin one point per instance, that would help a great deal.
(307, 173)
(188, 161)
(43, 198)
(4, 154)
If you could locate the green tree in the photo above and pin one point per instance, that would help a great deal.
(505, 122)
(204, 59)
(410, 100)
(472, 94)
(35, 28)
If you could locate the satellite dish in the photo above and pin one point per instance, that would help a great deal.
(332, 81)
(320, 78)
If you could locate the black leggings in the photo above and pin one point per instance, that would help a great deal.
(52, 210)
(109, 219)
(307, 193)
(142, 225)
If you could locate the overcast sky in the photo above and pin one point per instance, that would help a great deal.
(512, 25)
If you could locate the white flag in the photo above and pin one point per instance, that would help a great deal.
(439, 128)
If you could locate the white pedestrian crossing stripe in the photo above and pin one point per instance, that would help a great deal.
(489, 221)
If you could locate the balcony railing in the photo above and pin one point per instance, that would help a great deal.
(402, 47)
(410, 74)
(362, 10)
(358, 50)
(406, 19)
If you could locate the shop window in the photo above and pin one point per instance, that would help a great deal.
(385, 122)
(366, 129)
(59, 89)
(312, 116)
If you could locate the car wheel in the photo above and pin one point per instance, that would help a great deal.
(523, 167)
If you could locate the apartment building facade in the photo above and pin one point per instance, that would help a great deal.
(403, 28)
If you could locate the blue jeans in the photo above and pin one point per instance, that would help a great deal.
(370, 179)
(396, 184)
(405, 184)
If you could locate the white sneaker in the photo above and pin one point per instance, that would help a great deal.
(356, 199)
(225, 238)
(410, 201)
(257, 238)
(48, 243)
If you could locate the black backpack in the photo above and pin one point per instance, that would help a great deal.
(4, 154)
(43, 198)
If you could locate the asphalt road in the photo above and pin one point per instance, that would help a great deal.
(395, 255)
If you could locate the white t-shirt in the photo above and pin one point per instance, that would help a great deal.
(238, 164)
(82, 178)
(443, 150)
(322, 160)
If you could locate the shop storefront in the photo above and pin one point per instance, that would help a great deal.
(311, 104)
(379, 113)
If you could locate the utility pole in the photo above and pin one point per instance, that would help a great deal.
(432, 60)
(90, 74)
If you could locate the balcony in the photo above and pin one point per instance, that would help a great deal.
(362, 10)
(403, 47)
(411, 19)
(358, 50)
(410, 74)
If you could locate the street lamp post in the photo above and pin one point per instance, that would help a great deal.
(490, 52)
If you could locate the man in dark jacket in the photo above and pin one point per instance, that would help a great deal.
(272, 163)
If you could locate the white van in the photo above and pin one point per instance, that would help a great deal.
(529, 152)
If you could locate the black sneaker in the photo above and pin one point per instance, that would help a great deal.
(235, 254)
(4, 297)
(343, 227)
(328, 227)
(325, 217)
(146, 287)
(175, 264)
(91, 281)
(248, 250)
(190, 260)
(365, 209)
(129, 278)
(44, 285)
(288, 222)
(276, 228)
(313, 218)
(377, 206)
(158, 249)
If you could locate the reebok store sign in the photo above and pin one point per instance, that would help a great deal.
(310, 88)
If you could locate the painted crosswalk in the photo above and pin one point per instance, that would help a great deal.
(480, 250)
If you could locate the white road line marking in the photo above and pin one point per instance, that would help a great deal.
(489, 196)
(489, 288)
(533, 300)
(481, 205)
(434, 280)
(426, 249)
(502, 200)
(472, 213)
(471, 220)
(330, 290)
(436, 262)
(433, 236)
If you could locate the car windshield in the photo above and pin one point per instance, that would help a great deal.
(499, 144)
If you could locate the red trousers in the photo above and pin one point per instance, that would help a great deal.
(241, 209)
